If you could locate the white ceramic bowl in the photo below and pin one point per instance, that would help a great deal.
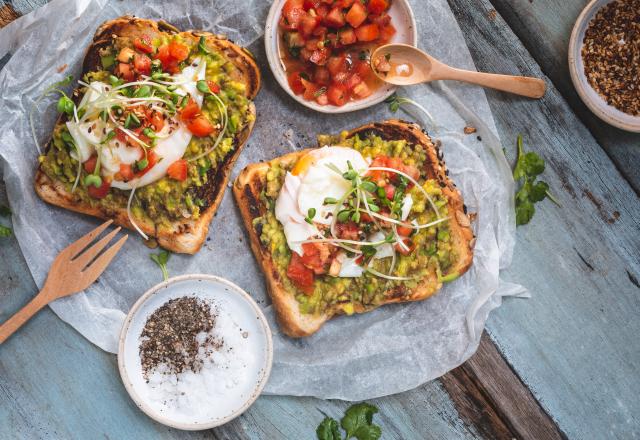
(589, 96)
(406, 32)
(255, 339)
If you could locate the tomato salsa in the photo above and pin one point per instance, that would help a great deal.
(327, 46)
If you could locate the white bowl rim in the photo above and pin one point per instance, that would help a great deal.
(143, 405)
(275, 66)
(597, 104)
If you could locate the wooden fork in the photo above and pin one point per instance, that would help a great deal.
(73, 270)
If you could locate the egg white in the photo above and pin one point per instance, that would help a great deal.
(168, 149)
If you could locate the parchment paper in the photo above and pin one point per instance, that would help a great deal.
(390, 350)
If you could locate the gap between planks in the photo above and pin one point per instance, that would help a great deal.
(490, 396)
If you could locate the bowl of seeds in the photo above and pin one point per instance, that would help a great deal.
(195, 352)
(604, 61)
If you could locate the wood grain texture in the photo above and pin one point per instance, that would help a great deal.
(7, 14)
(544, 27)
(575, 343)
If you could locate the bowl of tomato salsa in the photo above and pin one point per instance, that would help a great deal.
(319, 50)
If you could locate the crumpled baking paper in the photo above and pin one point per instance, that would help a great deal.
(392, 349)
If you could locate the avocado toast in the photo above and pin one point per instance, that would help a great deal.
(368, 219)
(153, 130)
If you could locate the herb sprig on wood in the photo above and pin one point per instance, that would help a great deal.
(528, 167)
(357, 423)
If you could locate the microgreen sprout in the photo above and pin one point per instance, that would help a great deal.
(310, 215)
(161, 259)
(202, 45)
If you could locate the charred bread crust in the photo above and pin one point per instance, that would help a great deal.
(186, 236)
(250, 183)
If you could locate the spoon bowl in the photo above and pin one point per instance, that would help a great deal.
(404, 65)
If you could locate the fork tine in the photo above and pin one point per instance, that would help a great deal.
(74, 248)
(85, 257)
(94, 270)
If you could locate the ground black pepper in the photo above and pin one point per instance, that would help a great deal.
(611, 54)
(170, 336)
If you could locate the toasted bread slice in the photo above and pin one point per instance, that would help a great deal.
(252, 180)
(187, 235)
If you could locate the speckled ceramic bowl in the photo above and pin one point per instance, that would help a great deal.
(406, 32)
(255, 334)
(591, 98)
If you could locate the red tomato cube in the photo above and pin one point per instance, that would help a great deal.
(377, 6)
(337, 95)
(368, 32)
(347, 36)
(356, 15)
(335, 18)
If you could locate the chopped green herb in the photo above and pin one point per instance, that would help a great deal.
(528, 167)
(161, 259)
(357, 423)
(202, 45)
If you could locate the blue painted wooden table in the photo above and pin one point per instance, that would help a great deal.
(564, 363)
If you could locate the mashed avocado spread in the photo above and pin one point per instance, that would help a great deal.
(167, 199)
(433, 251)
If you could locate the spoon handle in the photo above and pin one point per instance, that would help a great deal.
(520, 85)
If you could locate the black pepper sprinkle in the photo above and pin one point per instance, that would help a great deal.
(170, 336)
(611, 54)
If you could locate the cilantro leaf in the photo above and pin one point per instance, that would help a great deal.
(161, 259)
(328, 430)
(528, 166)
(5, 231)
(357, 422)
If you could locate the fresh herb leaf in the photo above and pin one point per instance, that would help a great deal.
(328, 429)
(363, 55)
(202, 47)
(528, 167)
(5, 231)
(161, 259)
(310, 215)
(358, 422)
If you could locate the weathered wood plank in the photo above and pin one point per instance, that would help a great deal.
(490, 396)
(574, 344)
(7, 14)
(544, 27)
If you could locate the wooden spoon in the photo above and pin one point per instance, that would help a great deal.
(407, 65)
(73, 270)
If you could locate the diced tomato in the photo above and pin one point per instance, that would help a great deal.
(337, 64)
(308, 24)
(310, 4)
(292, 14)
(322, 76)
(322, 11)
(387, 32)
(152, 160)
(178, 51)
(344, 4)
(368, 32)
(365, 218)
(353, 81)
(335, 18)
(411, 170)
(215, 88)
(143, 44)
(142, 64)
(347, 36)
(295, 83)
(356, 15)
(341, 78)
(407, 249)
(378, 176)
(124, 71)
(362, 90)
(337, 95)
(362, 68)
(200, 126)
(310, 89)
(178, 170)
(312, 44)
(163, 54)
(389, 191)
(320, 31)
(125, 54)
(156, 120)
(322, 99)
(347, 231)
(126, 171)
(90, 164)
(381, 20)
(189, 111)
(300, 275)
(100, 192)
(405, 231)
(316, 256)
(377, 6)
(305, 53)
(320, 56)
